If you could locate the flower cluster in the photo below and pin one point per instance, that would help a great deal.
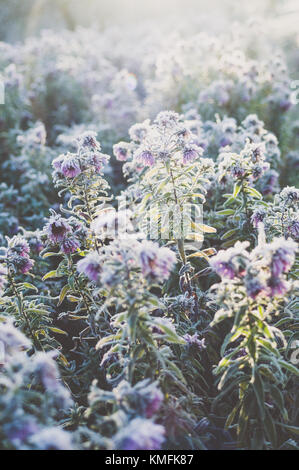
(17, 255)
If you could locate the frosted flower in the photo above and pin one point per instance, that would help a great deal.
(69, 245)
(139, 131)
(156, 262)
(283, 255)
(46, 370)
(191, 153)
(57, 162)
(70, 167)
(121, 151)
(231, 262)
(257, 217)
(140, 434)
(90, 266)
(12, 338)
(18, 245)
(167, 119)
(289, 194)
(52, 438)
(21, 264)
(193, 340)
(277, 286)
(57, 228)
(88, 141)
(20, 432)
(293, 229)
(145, 156)
(254, 287)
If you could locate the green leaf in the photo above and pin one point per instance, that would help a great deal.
(63, 293)
(289, 367)
(237, 189)
(57, 330)
(30, 286)
(50, 274)
(254, 193)
(226, 212)
(258, 388)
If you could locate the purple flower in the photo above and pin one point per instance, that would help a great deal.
(140, 434)
(277, 286)
(22, 264)
(69, 245)
(90, 266)
(156, 262)
(12, 338)
(57, 228)
(70, 167)
(139, 131)
(121, 151)
(222, 268)
(146, 157)
(191, 153)
(224, 141)
(254, 287)
(57, 162)
(193, 340)
(257, 217)
(154, 403)
(283, 256)
(88, 141)
(19, 246)
(237, 171)
(293, 228)
(231, 262)
(18, 433)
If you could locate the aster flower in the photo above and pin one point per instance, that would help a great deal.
(191, 153)
(139, 131)
(88, 141)
(18, 245)
(277, 286)
(70, 167)
(156, 262)
(121, 151)
(90, 266)
(57, 162)
(21, 264)
(13, 339)
(140, 434)
(57, 228)
(289, 195)
(257, 217)
(145, 156)
(293, 229)
(167, 119)
(69, 245)
(283, 255)
(254, 286)
(231, 262)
